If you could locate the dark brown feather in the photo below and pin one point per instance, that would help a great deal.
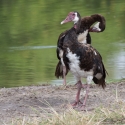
(87, 22)
(59, 70)
(88, 60)
(87, 57)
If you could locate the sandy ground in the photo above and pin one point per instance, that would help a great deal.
(36, 100)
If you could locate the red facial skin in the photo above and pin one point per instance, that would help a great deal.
(69, 18)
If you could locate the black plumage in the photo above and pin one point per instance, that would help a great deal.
(82, 60)
(86, 24)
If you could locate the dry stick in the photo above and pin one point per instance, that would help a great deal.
(23, 122)
(90, 119)
(4, 123)
(102, 110)
(101, 121)
(57, 115)
(12, 122)
(123, 113)
(117, 92)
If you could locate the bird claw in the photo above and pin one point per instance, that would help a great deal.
(76, 103)
(82, 108)
(78, 106)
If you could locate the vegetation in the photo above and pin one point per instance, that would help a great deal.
(30, 23)
(100, 116)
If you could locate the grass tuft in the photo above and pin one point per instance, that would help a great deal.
(99, 116)
(112, 114)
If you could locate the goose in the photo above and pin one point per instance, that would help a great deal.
(82, 60)
(83, 36)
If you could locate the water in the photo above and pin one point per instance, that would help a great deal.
(29, 31)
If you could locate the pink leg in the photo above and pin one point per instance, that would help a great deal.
(84, 86)
(77, 100)
(64, 75)
(86, 96)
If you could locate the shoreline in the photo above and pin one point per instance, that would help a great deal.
(32, 101)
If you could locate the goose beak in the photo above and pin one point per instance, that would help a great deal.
(62, 22)
(69, 18)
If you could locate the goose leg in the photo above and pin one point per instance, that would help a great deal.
(84, 86)
(77, 100)
(89, 79)
(64, 72)
(64, 75)
(86, 96)
(63, 64)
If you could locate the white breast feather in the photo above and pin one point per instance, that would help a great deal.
(74, 66)
(82, 37)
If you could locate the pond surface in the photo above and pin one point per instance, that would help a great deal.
(29, 31)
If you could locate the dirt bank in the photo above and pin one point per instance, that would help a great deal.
(35, 100)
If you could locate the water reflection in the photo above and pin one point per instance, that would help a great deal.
(30, 47)
(30, 29)
(116, 62)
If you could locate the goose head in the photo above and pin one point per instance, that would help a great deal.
(98, 27)
(72, 16)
